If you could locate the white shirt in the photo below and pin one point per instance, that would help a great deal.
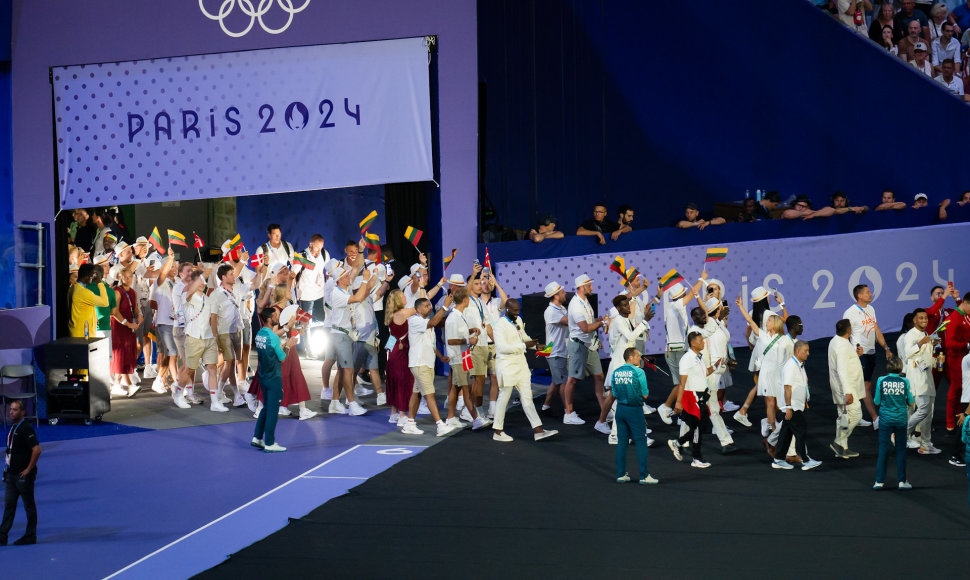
(310, 285)
(623, 334)
(511, 367)
(364, 319)
(918, 361)
(863, 327)
(718, 343)
(340, 315)
(580, 310)
(952, 50)
(926, 69)
(280, 255)
(793, 373)
(245, 297)
(556, 333)
(845, 371)
(456, 328)
(328, 302)
(197, 311)
(675, 323)
(477, 315)
(162, 295)
(955, 86)
(224, 305)
(178, 302)
(422, 342)
(692, 365)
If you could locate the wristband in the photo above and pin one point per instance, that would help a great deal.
(781, 304)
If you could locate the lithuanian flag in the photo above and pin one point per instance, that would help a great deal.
(368, 221)
(619, 266)
(413, 235)
(177, 239)
(546, 351)
(669, 279)
(372, 241)
(235, 243)
(715, 254)
(450, 258)
(156, 240)
(632, 274)
(304, 261)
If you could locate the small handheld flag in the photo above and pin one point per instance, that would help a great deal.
(466, 360)
(669, 279)
(176, 239)
(372, 241)
(619, 266)
(546, 351)
(368, 221)
(302, 316)
(303, 261)
(632, 274)
(488, 261)
(450, 258)
(235, 243)
(413, 235)
(198, 241)
(156, 240)
(715, 254)
(943, 326)
(256, 261)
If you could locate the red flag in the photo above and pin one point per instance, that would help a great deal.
(303, 316)
(466, 360)
(256, 261)
(488, 261)
(198, 241)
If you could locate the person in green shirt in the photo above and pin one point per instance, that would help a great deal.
(271, 354)
(630, 389)
(893, 395)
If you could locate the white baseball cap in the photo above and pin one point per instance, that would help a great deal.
(711, 304)
(759, 293)
(583, 280)
(456, 280)
(552, 288)
(677, 291)
(403, 282)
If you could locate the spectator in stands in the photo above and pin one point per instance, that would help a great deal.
(908, 44)
(769, 202)
(945, 47)
(964, 200)
(887, 41)
(920, 61)
(625, 220)
(889, 201)
(801, 209)
(847, 10)
(960, 17)
(693, 219)
(948, 80)
(937, 19)
(883, 19)
(907, 14)
(749, 211)
(840, 205)
(599, 225)
(545, 230)
(920, 200)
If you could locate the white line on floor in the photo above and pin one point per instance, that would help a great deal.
(330, 477)
(190, 534)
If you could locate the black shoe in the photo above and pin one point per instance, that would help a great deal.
(957, 462)
(837, 449)
(26, 541)
(728, 449)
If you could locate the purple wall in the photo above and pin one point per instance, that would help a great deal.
(62, 32)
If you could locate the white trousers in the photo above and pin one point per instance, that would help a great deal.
(525, 397)
(854, 411)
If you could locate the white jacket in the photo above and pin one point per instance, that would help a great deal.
(918, 361)
(624, 333)
(845, 371)
(511, 367)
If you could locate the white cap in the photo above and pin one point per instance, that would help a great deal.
(330, 266)
(711, 304)
(403, 282)
(583, 280)
(677, 291)
(552, 288)
(416, 267)
(759, 293)
(338, 273)
(920, 196)
(275, 269)
(716, 282)
(101, 258)
(456, 280)
(141, 241)
(121, 247)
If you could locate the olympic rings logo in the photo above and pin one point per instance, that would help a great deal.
(255, 14)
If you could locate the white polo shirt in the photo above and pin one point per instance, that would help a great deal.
(422, 341)
(197, 311)
(692, 365)
(224, 305)
(675, 323)
(456, 328)
(477, 316)
(310, 285)
(162, 295)
(340, 315)
(555, 332)
(793, 373)
(580, 310)
(280, 255)
(863, 327)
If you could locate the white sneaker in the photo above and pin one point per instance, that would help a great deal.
(602, 428)
(461, 404)
(675, 449)
(612, 439)
(190, 397)
(118, 391)
(610, 416)
(337, 408)
(480, 423)
(699, 464)
(250, 401)
(381, 399)
(546, 407)
(402, 420)
(134, 378)
(326, 393)
(544, 434)
(743, 419)
(362, 391)
(648, 410)
(875, 424)
(180, 402)
(159, 387)
(665, 411)
(765, 429)
(466, 416)
(931, 450)
(501, 436)
(411, 428)
(239, 400)
(572, 419)
(864, 423)
(912, 443)
(222, 396)
(649, 430)
(781, 464)
(132, 389)
(650, 442)
(423, 408)
(444, 428)
(218, 407)
(394, 417)
(243, 385)
(307, 414)
(811, 464)
(355, 409)
(274, 448)
(284, 412)
(151, 371)
(454, 422)
(731, 406)
(258, 409)
(257, 443)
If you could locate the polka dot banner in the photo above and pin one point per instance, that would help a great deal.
(814, 275)
(264, 121)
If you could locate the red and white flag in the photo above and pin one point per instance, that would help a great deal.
(303, 316)
(488, 261)
(256, 261)
(198, 241)
(466, 360)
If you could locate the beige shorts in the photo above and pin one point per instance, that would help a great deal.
(423, 380)
(483, 361)
(200, 349)
(230, 345)
(459, 376)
